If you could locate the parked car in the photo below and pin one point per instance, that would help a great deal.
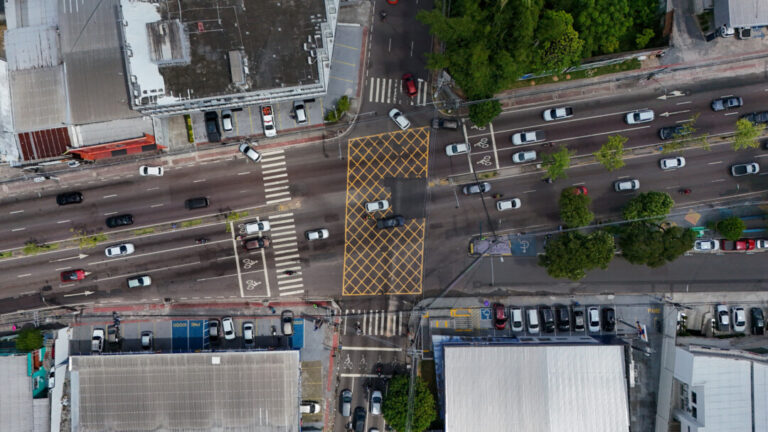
(69, 198)
(757, 118)
(72, 275)
(456, 149)
(516, 319)
(97, 340)
(758, 322)
(557, 113)
(390, 222)
(580, 190)
(563, 318)
(593, 319)
(248, 333)
(499, 316)
(256, 227)
(299, 112)
(578, 320)
(118, 221)
(228, 328)
(739, 319)
(214, 329)
(524, 156)
(399, 119)
(669, 132)
(445, 123)
(547, 319)
(113, 335)
(268, 120)
(376, 400)
(255, 243)
(532, 316)
(358, 420)
(316, 234)
(527, 137)
(146, 340)
(375, 206)
(761, 243)
(508, 204)
(723, 321)
(727, 102)
(226, 120)
(309, 407)
(639, 116)
(609, 319)
(476, 188)
(139, 281)
(739, 170)
(409, 85)
(345, 402)
(672, 163)
(738, 245)
(706, 245)
(249, 152)
(146, 170)
(119, 250)
(212, 126)
(286, 322)
(626, 185)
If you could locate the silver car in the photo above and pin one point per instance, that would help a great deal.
(524, 156)
(672, 163)
(626, 185)
(593, 319)
(249, 152)
(118, 250)
(745, 169)
(376, 399)
(399, 119)
(476, 188)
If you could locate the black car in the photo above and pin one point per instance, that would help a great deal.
(547, 319)
(212, 126)
(563, 318)
(609, 319)
(390, 222)
(120, 220)
(758, 322)
(69, 198)
(757, 117)
(196, 203)
(358, 420)
(670, 132)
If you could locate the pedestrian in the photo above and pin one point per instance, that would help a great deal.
(383, 15)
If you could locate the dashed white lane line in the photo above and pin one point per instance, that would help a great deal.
(16, 211)
(109, 196)
(18, 229)
(63, 221)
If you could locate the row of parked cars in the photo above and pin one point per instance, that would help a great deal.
(546, 319)
(358, 419)
(736, 318)
(708, 245)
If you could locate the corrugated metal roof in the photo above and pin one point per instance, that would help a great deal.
(16, 395)
(741, 13)
(31, 13)
(726, 398)
(535, 388)
(38, 98)
(32, 47)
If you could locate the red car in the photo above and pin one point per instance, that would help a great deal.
(499, 316)
(392, 1)
(580, 190)
(72, 275)
(409, 85)
(745, 244)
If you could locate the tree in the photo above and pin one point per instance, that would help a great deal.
(747, 134)
(556, 163)
(611, 154)
(602, 24)
(653, 245)
(643, 38)
(558, 45)
(653, 205)
(574, 209)
(395, 407)
(30, 338)
(572, 254)
(482, 113)
(685, 137)
(731, 228)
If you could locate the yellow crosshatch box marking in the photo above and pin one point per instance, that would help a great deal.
(388, 261)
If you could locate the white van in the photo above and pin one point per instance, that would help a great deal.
(255, 227)
(533, 321)
(299, 112)
(516, 318)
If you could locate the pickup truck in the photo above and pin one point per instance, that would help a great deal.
(738, 245)
(557, 113)
(526, 137)
(268, 119)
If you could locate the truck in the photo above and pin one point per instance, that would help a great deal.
(738, 245)
(268, 119)
(97, 341)
(527, 137)
(490, 246)
(557, 113)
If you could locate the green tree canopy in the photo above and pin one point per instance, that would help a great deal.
(482, 113)
(558, 44)
(572, 254)
(651, 245)
(602, 24)
(557, 163)
(395, 407)
(649, 205)
(731, 228)
(30, 338)
(747, 134)
(611, 154)
(574, 209)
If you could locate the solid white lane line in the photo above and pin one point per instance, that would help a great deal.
(109, 196)
(16, 211)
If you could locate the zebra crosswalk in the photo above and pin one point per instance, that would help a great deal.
(390, 91)
(375, 323)
(275, 172)
(286, 251)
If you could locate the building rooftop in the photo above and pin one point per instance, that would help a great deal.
(232, 391)
(535, 388)
(16, 394)
(741, 13)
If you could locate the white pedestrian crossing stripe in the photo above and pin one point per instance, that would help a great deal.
(390, 91)
(375, 323)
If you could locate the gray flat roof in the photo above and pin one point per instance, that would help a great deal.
(535, 388)
(741, 13)
(39, 100)
(15, 395)
(232, 391)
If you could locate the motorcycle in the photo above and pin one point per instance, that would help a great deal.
(201, 241)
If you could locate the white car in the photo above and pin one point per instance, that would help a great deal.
(508, 204)
(139, 281)
(255, 227)
(146, 170)
(146, 340)
(593, 319)
(524, 156)
(639, 116)
(268, 119)
(249, 152)
(745, 169)
(672, 163)
(226, 120)
(626, 185)
(118, 250)
(376, 398)
(399, 119)
(317, 234)
(739, 319)
(557, 113)
(527, 137)
(706, 245)
(248, 333)
(228, 327)
(723, 322)
(376, 206)
(456, 149)
(761, 244)
(309, 407)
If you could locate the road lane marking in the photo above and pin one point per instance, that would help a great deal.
(243, 173)
(530, 191)
(198, 181)
(717, 180)
(276, 188)
(24, 275)
(276, 170)
(731, 113)
(291, 286)
(18, 229)
(156, 205)
(110, 213)
(63, 221)
(286, 257)
(493, 144)
(154, 188)
(275, 201)
(349, 348)
(152, 270)
(228, 276)
(109, 196)
(276, 164)
(715, 163)
(275, 176)
(16, 211)
(291, 293)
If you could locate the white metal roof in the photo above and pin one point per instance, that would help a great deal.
(535, 388)
(15, 395)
